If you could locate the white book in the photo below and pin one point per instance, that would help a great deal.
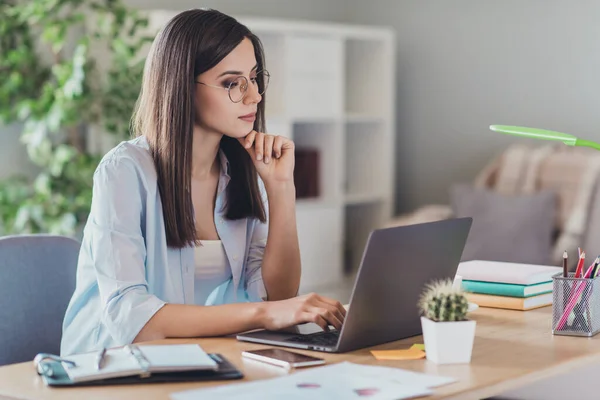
(504, 272)
(139, 360)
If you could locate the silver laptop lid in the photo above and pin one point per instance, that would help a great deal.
(397, 262)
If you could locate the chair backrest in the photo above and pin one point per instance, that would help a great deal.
(37, 280)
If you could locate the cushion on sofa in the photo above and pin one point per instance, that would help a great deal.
(511, 228)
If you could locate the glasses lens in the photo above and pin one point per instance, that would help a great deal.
(264, 77)
(238, 88)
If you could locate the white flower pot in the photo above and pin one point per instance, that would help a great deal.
(448, 342)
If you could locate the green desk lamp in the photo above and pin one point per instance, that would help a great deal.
(543, 134)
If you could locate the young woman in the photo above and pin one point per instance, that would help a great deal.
(181, 240)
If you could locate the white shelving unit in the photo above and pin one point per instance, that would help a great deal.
(332, 88)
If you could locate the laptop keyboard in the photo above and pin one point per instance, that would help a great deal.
(319, 338)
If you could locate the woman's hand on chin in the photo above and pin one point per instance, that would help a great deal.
(273, 156)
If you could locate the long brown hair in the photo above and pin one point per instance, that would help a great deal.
(191, 43)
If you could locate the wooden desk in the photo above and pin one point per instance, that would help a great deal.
(512, 349)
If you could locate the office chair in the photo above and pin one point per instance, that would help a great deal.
(37, 280)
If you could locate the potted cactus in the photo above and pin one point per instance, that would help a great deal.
(447, 333)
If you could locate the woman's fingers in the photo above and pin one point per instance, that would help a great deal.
(277, 145)
(317, 319)
(259, 145)
(327, 308)
(334, 311)
(269, 139)
(330, 317)
(249, 139)
(266, 147)
(334, 303)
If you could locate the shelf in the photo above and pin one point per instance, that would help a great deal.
(367, 84)
(278, 126)
(316, 120)
(332, 91)
(363, 198)
(320, 233)
(314, 203)
(356, 118)
(273, 46)
(366, 159)
(360, 221)
(322, 137)
(313, 75)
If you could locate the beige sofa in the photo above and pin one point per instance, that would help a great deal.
(571, 173)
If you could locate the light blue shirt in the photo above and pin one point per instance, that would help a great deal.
(126, 272)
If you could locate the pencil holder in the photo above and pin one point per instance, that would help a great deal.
(575, 305)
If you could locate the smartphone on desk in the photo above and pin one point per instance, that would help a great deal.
(283, 358)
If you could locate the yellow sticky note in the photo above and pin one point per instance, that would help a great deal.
(408, 354)
(419, 346)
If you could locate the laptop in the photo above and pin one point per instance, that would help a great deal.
(396, 264)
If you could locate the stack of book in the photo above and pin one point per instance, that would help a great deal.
(507, 285)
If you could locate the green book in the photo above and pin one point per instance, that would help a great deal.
(507, 289)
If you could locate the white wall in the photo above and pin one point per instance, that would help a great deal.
(319, 10)
(462, 65)
(466, 64)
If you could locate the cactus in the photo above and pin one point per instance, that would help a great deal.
(441, 302)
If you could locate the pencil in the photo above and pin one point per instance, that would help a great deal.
(579, 270)
(573, 300)
(565, 257)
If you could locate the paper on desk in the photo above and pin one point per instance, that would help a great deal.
(394, 374)
(406, 354)
(339, 381)
(419, 346)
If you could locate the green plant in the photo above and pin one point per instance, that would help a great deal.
(66, 65)
(440, 301)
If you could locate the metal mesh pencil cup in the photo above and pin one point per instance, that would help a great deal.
(575, 305)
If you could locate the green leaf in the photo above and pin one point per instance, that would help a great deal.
(42, 184)
(53, 94)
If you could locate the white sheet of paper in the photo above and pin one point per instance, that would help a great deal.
(394, 374)
(338, 381)
(179, 357)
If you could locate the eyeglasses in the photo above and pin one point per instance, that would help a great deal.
(238, 87)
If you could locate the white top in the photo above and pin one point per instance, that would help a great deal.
(212, 269)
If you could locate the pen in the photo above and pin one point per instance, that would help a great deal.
(565, 272)
(595, 267)
(100, 358)
(573, 300)
(590, 271)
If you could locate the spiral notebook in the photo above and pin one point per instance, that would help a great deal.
(141, 362)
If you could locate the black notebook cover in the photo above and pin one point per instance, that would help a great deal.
(226, 371)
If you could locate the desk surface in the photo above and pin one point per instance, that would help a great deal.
(511, 349)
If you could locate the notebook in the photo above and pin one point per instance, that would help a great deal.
(510, 303)
(139, 360)
(504, 272)
(54, 375)
(507, 289)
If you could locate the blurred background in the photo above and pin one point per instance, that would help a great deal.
(389, 102)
